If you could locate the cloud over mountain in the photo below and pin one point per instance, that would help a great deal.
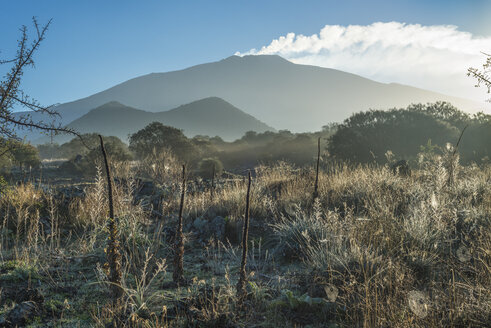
(433, 57)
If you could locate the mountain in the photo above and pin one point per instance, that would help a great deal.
(280, 93)
(210, 116)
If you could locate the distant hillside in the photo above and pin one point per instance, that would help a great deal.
(280, 93)
(210, 116)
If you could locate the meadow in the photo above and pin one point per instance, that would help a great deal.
(371, 248)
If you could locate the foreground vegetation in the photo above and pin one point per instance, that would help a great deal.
(374, 249)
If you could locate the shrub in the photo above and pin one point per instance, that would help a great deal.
(207, 166)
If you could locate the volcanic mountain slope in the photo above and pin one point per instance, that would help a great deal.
(280, 93)
(210, 116)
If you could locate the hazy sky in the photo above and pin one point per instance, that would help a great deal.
(93, 45)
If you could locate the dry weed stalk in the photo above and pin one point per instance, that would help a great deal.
(177, 275)
(316, 184)
(212, 189)
(453, 161)
(113, 252)
(241, 285)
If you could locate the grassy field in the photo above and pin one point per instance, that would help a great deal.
(374, 249)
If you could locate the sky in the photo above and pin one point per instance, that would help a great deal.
(93, 45)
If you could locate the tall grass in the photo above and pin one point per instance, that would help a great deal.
(373, 249)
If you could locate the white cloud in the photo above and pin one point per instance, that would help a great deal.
(431, 57)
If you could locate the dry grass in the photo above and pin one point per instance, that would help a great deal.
(373, 250)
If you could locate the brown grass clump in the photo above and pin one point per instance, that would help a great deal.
(373, 249)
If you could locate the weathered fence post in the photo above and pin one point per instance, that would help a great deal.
(212, 189)
(177, 275)
(316, 184)
(452, 165)
(113, 253)
(241, 285)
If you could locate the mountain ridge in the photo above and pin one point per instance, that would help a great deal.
(274, 90)
(209, 116)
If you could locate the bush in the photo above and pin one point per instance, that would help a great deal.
(25, 155)
(366, 136)
(86, 165)
(157, 136)
(206, 167)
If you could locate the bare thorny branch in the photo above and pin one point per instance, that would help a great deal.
(12, 95)
(483, 76)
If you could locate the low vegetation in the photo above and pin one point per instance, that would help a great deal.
(373, 248)
(363, 138)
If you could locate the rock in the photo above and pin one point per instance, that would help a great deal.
(210, 213)
(218, 227)
(19, 293)
(146, 188)
(200, 225)
(331, 292)
(463, 254)
(78, 159)
(206, 229)
(233, 231)
(29, 294)
(22, 313)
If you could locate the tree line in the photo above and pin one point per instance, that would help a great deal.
(364, 137)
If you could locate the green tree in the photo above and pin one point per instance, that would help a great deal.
(444, 111)
(158, 136)
(82, 145)
(5, 156)
(88, 146)
(367, 136)
(476, 141)
(25, 155)
(116, 150)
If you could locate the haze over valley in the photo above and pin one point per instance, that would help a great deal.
(282, 95)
